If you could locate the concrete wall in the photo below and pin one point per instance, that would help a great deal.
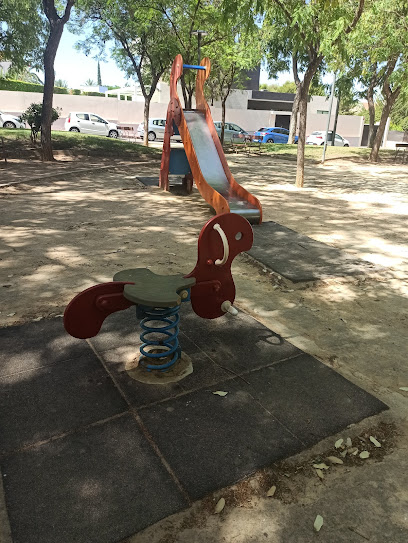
(348, 126)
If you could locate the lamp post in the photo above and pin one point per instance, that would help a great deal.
(199, 33)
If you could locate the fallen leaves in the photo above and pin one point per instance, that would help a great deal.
(339, 443)
(271, 491)
(220, 506)
(334, 460)
(364, 454)
(318, 523)
(220, 393)
(375, 442)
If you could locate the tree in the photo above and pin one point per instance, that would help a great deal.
(310, 31)
(32, 116)
(186, 17)
(21, 32)
(56, 25)
(232, 59)
(99, 77)
(144, 43)
(90, 83)
(380, 47)
(61, 83)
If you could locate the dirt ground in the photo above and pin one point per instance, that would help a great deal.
(63, 233)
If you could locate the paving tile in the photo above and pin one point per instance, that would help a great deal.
(311, 399)
(236, 343)
(300, 258)
(99, 485)
(212, 441)
(37, 344)
(38, 404)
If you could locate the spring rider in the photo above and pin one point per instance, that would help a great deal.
(209, 287)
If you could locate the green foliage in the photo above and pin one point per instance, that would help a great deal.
(288, 86)
(61, 83)
(12, 85)
(93, 93)
(99, 77)
(32, 116)
(75, 92)
(22, 32)
(25, 75)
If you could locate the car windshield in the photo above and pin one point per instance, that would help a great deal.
(261, 129)
(317, 133)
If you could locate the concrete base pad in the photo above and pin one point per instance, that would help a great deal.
(179, 371)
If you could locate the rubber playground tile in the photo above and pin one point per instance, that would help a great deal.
(38, 404)
(99, 485)
(37, 344)
(310, 399)
(211, 441)
(300, 258)
(238, 344)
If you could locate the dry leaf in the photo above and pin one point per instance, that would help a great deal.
(405, 389)
(343, 454)
(339, 443)
(349, 443)
(355, 452)
(321, 466)
(220, 505)
(11, 315)
(376, 443)
(334, 460)
(320, 474)
(271, 491)
(220, 393)
(318, 523)
(364, 454)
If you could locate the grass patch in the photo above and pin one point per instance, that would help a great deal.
(314, 153)
(18, 141)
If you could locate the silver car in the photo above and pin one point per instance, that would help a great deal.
(232, 132)
(10, 121)
(156, 130)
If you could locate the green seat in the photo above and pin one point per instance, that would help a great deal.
(151, 289)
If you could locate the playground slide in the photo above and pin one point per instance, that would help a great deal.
(204, 151)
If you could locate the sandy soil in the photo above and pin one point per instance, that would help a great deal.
(62, 234)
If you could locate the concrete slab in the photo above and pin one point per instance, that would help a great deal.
(99, 485)
(300, 258)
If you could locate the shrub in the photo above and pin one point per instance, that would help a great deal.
(75, 91)
(93, 93)
(32, 116)
(14, 85)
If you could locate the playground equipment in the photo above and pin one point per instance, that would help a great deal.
(210, 288)
(203, 158)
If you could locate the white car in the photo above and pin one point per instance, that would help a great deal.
(90, 123)
(319, 136)
(10, 121)
(156, 130)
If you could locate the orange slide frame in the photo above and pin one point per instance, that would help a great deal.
(175, 113)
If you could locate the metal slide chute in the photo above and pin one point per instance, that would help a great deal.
(204, 151)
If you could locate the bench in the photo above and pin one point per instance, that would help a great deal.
(401, 150)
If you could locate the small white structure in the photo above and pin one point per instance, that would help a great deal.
(93, 88)
(134, 92)
(4, 68)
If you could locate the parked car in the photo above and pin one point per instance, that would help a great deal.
(319, 136)
(232, 132)
(274, 134)
(156, 130)
(90, 123)
(10, 121)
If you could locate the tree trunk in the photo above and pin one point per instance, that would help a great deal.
(389, 102)
(300, 170)
(56, 24)
(371, 112)
(336, 116)
(222, 121)
(49, 73)
(294, 116)
(146, 113)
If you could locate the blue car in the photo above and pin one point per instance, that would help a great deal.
(273, 134)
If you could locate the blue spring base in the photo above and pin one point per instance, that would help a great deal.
(160, 348)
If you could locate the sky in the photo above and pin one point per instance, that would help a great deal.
(75, 68)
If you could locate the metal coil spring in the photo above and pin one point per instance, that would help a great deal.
(151, 324)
